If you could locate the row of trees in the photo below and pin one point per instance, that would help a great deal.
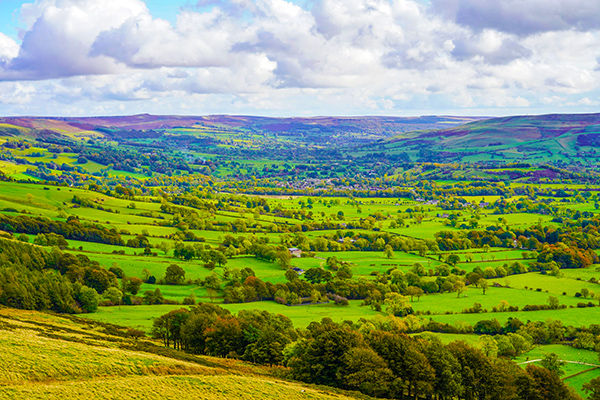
(374, 357)
(72, 229)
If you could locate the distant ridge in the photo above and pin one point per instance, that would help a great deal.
(271, 124)
(552, 137)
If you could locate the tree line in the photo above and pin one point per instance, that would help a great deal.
(374, 357)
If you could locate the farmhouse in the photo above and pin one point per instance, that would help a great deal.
(295, 252)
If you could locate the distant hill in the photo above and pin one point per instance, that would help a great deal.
(534, 139)
(317, 129)
(529, 138)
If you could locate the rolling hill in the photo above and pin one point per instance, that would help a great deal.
(314, 127)
(49, 356)
(529, 138)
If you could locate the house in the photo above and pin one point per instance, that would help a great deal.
(295, 252)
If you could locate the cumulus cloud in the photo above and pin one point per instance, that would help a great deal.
(371, 54)
(8, 48)
(61, 33)
(522, 17)
(491, 46)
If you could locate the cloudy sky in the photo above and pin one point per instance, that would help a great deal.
(299, 57)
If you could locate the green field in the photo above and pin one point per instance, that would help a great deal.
(389, 221)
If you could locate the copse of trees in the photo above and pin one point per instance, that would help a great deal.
(33, 279)
(72, 229)
(374, 357)
(252, 335)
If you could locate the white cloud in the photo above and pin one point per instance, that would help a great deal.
(61, 32)
(8, 48)
(522, 17)
(373, 55)
(16, 93)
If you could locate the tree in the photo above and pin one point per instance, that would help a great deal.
(414, 291)
(165, 247)
(364, 370)
(320, 358)
(131, 285)
(593, 386)
(153, 297)
(483, 285)
(596, 297)
(284, 259)
(87, 297)
(118, 271)
(552, 363)
(169, 327)
(447, 370)
(397, 305)
(453, 259)
(317, 275)
(113, 295)
(541, 383)
(388, 251)
(489, 346)
(225, 338)
(174, 274)
(344, 272)
(553, 302)
(459, 287)
(332, 263)
(99, 278)
(291, 275)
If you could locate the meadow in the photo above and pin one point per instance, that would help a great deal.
(71, 359)
(225, 206)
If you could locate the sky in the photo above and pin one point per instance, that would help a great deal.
(300, 57)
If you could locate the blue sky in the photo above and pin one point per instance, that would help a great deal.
(301, 57)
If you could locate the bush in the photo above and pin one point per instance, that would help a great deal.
(119, 273)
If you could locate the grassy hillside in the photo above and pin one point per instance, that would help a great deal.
(52, 357)
(527, 138)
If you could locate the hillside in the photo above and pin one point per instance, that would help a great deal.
(56, 357)
(554, 137)
(316, 128)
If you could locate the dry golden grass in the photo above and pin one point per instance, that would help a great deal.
(46, 356)
(30, 357)
(223, 387)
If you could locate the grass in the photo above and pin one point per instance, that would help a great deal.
(141, 317)
(575, 375)
(569, 316)
(65, 358)
(205, 387)
(75, 361)
(568, 283)
(449, 302)
(365, 262)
